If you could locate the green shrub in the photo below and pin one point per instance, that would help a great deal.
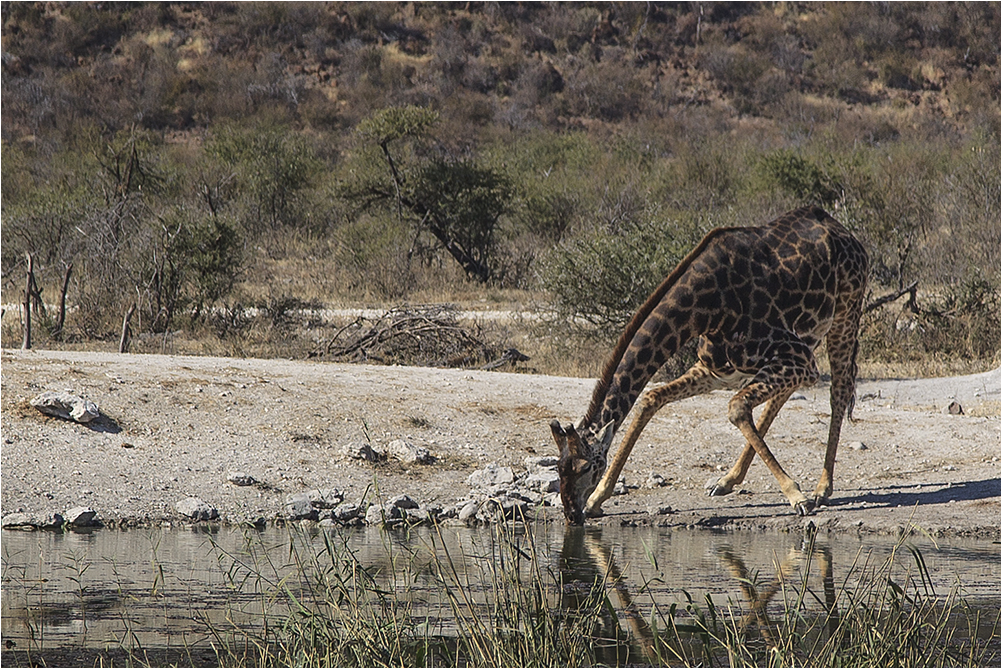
(603, 277)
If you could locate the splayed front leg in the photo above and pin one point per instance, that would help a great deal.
(696, 381)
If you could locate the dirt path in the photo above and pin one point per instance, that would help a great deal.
(177, 426)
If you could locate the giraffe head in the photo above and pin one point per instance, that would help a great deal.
(580, 468)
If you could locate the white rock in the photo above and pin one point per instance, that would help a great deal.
(407, 452)
(81, 516)
(66, 406)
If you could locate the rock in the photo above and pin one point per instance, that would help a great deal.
(664, 510)
(620, 488)
(535, 464)
(31, 521)
(491, 475)
(299, 506)
(655, 481)
(502, 510)
(360, 451)
(196, 509)
(346, 512)
(325, 498)
(543, 482)
(954, 409)
(408, 453)
(469, 511)
(66, 406)
(241, 479)
(857, 446)
(383, 515)
(403, 502)
(81, 516)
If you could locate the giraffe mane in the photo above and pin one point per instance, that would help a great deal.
(602, 387)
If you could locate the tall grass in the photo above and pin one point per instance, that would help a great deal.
(506, 604)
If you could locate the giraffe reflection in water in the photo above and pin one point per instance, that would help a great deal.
(590, 571)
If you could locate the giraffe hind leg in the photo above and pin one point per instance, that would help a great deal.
(792, 366)
(725, 484)
(842, 350)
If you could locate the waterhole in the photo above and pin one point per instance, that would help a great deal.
(201, 596)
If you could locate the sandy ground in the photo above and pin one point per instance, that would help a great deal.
(174, 427)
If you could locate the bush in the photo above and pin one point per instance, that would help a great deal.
(603, 277)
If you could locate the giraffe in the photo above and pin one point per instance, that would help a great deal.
(760, 300)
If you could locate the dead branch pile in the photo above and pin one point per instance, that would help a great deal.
(425, 335)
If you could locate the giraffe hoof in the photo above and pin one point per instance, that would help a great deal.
(595, 512)
(714, 488)
(805, 508)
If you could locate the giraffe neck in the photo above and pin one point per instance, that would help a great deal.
(665, 330)
(659, 328)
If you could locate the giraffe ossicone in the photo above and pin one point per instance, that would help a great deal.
(760, 300)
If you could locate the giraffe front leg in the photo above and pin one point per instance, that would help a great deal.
(603, 491)
(696, 381)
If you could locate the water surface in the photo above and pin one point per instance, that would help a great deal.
(168, 595)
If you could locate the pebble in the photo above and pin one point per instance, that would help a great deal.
(241, 479)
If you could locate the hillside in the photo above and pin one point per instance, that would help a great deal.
(194, 159)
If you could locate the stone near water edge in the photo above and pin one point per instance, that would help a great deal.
(408, 453)
(543, 482)
(403, 502)
(507, 509)
(535, 464)
(325, 498)
(81, 516)
(346, 512)
(32, 521)
(383, 515)
(66, 406)
(240, 479)
(858, 446)
(469, 511)
(491, 475)
(298, 506)
(195, 509)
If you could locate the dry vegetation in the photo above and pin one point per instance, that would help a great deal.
(230, 168)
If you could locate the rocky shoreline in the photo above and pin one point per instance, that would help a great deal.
(179, 440)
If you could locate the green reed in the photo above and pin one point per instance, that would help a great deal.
(505, 604)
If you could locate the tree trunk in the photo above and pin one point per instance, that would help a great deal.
(62, 301)
(26, 342)
(123, 343)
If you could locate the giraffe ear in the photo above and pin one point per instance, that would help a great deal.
(606, 435)
(559, 436)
